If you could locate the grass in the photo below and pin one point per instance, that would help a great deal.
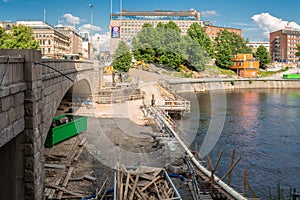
(266, 73)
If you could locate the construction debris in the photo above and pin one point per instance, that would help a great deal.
(144, 183)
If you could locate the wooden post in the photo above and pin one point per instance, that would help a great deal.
(231, 168)
(231, 163)
(251, 190)
(219, 158)
(152, 100)
(210, 166)
(196, 150)
(244, 183)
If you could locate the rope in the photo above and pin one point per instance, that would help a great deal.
(36, 63)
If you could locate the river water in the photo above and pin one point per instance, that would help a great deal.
(261, 125)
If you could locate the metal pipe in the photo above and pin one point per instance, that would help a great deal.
(223, 185)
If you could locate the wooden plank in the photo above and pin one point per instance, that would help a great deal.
(89, 178)
(134, 187)
(78, 154)
(159, 197)
(82, 142)
(71, 197)
(65, 183)
(144, 188)
(126, 186)
(55, 166)
(64, 190)
(146, 176)
(53, 190)
(136, 193)
(104, 183)
(47, 192)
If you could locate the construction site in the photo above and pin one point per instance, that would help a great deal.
(132, 148)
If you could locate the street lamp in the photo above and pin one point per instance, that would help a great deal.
(91, 8)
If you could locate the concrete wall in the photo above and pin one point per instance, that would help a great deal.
(198, 85)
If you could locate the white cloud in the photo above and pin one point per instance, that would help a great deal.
(103, 40)
(71, 19)
(209, 13)
(89, 27)
(269, 23)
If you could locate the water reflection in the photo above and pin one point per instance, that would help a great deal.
(263, 126)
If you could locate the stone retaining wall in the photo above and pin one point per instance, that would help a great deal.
(227, 84)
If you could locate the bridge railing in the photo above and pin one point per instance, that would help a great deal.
(11, 70)
(175, 105)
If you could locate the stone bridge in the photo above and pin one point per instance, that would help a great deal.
(31, 90)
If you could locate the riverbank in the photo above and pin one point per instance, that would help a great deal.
(200, 85)
(206, 84)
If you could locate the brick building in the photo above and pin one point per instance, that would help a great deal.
(212, 31)
(283, 45)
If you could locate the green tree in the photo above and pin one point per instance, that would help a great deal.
(197, 57)
(147, 25)
(236, 43)
(172, 26)
(21, 37)
(160, 25)
(122, 58)
(197, 33)
(3, 37)
(262, 55)
(144, 42)
(224, 55)
(165, 45)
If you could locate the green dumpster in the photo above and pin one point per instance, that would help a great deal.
(65, 126)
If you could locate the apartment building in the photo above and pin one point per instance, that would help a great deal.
(283, 45)
(126, 24)
(7, 25)
(212, 31)
(53, 43)
(254, 45)
(75, 39)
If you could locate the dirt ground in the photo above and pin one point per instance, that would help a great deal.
(117, 133)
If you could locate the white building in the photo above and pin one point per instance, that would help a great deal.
(255, 45)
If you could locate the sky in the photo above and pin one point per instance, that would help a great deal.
(256, 18)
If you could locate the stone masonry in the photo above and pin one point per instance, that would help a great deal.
(30, 93)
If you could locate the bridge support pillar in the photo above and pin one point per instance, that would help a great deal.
(33, 174)
(24, 153)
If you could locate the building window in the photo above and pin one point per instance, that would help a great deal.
(49, 50)
(49, 42)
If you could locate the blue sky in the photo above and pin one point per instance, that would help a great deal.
(256, 18)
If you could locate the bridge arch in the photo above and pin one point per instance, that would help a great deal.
(83, 88)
